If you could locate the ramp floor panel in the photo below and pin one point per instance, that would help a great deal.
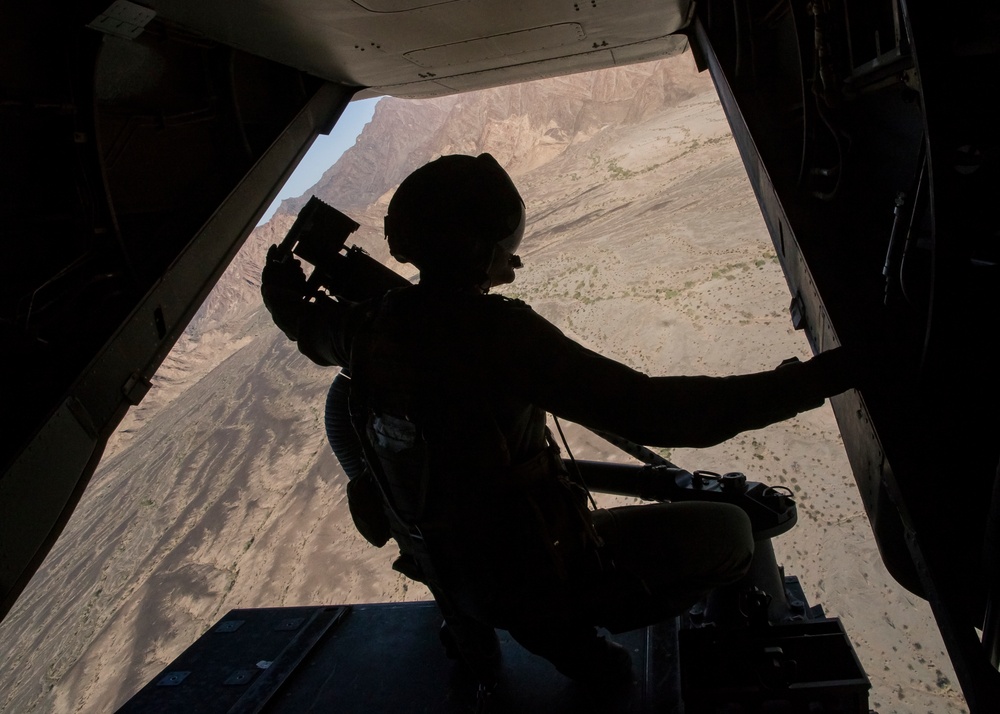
(384, 658)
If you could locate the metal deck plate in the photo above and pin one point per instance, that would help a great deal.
(384, 658)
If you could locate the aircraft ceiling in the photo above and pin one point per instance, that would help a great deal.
(422, 48)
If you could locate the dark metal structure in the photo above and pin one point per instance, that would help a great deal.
(140, 143)
(319, 659)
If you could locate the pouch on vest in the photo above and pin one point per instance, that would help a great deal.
(364, 499)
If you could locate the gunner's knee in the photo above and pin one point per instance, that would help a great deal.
(734, 546)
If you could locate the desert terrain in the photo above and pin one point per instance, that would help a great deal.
(644, 243)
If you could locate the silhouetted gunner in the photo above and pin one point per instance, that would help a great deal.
(449, 393)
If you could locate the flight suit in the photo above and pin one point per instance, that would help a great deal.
(475, 375)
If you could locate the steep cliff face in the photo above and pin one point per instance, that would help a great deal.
(523, 125)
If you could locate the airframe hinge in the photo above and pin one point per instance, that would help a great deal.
(798, 312)
(135, 388)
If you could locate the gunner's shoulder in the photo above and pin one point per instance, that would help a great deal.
(503, 309)
(504, 303)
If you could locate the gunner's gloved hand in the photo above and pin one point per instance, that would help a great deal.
(835, 370)
(283, 288)
(825, 375)
(849, 367)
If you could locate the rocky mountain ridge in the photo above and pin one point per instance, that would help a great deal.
(524, 126)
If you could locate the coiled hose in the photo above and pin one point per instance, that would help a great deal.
(340, 430)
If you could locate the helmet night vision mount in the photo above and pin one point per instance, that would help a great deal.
(318, 237)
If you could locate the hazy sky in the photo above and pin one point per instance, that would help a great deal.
(324, 152)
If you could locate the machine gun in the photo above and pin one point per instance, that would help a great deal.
(771, 509)
(756, 641)
(763, 596)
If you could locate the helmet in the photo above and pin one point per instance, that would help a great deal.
(448, 215)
